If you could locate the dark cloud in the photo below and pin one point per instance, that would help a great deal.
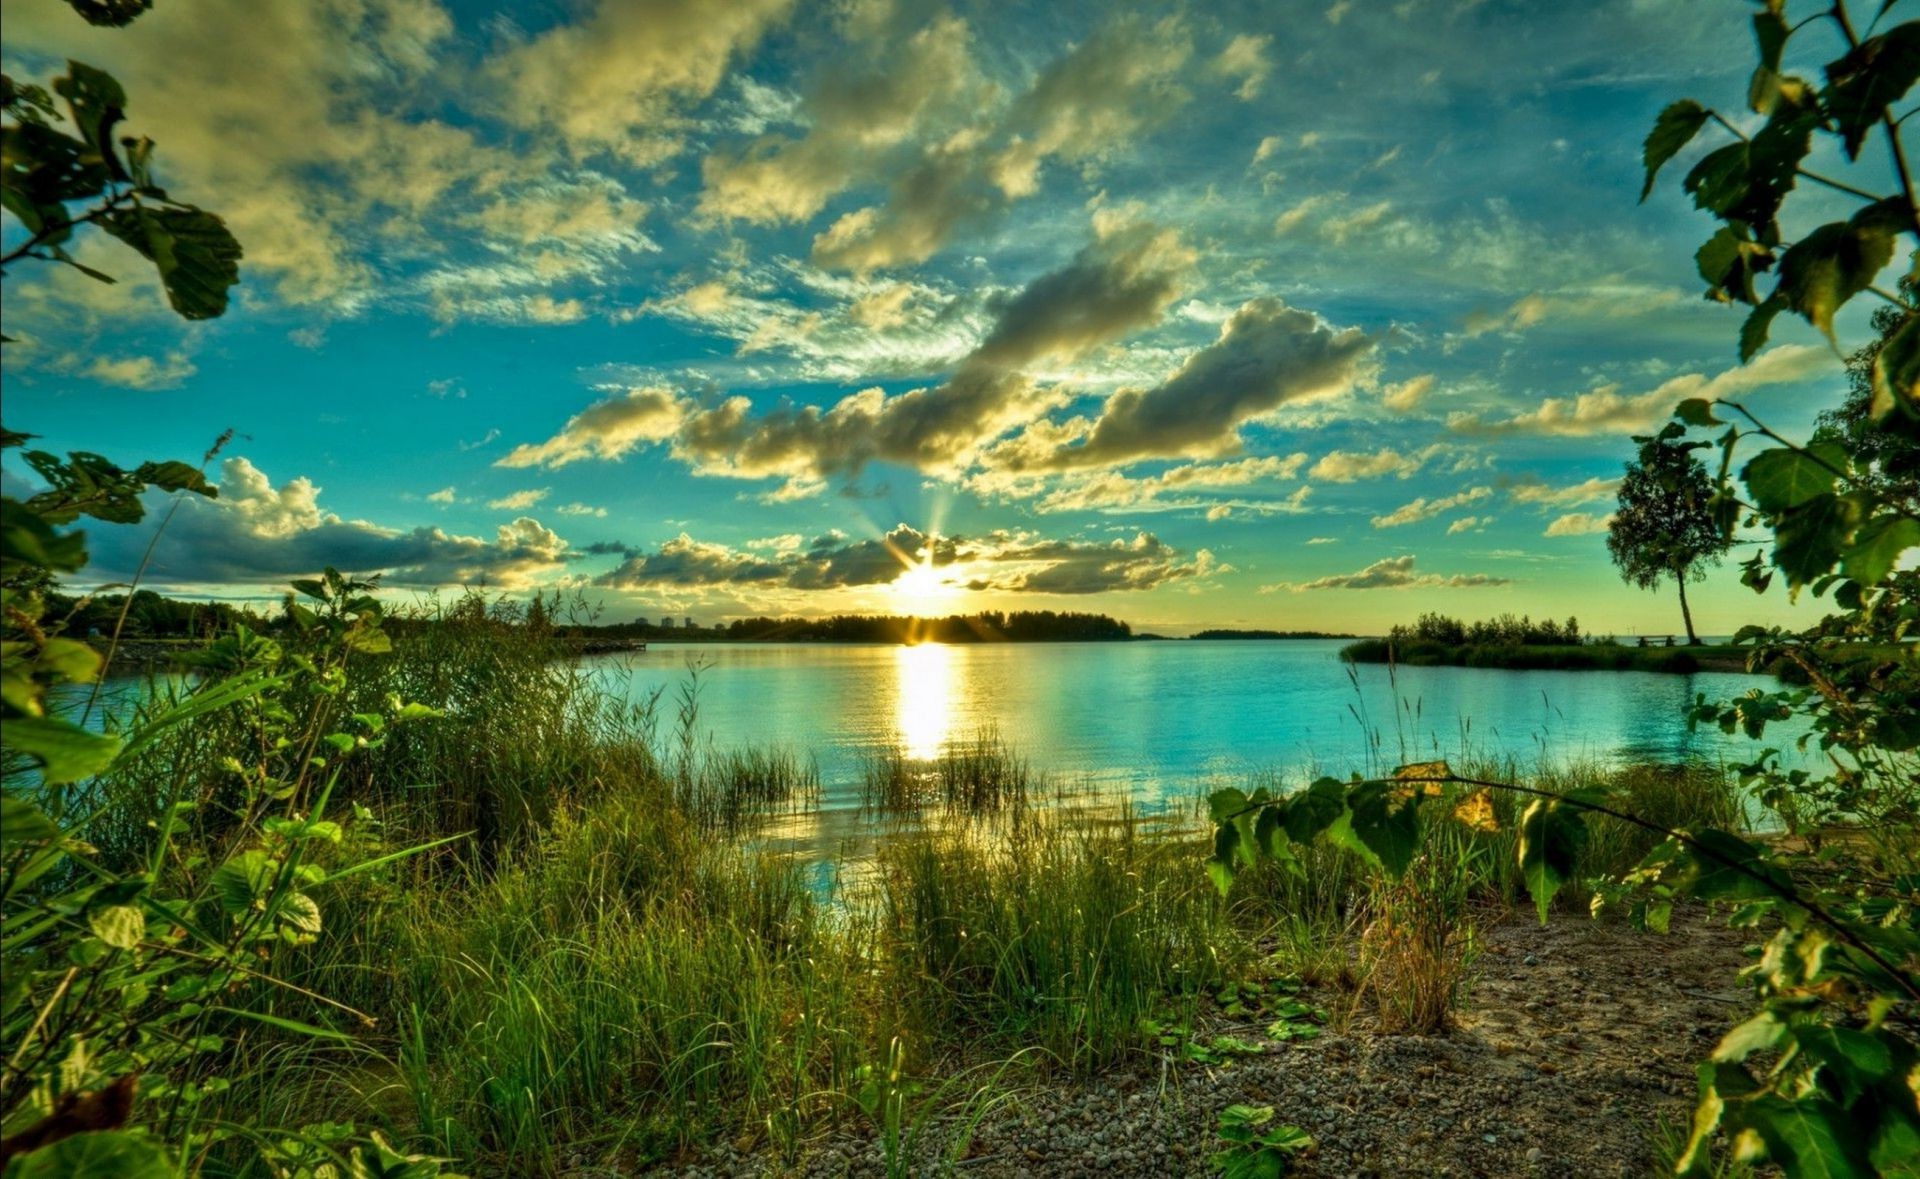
(1268, 355)
(257, 533)
(1005, 561)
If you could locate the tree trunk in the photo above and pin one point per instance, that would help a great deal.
(1693, 640)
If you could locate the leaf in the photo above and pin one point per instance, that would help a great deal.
(120, 926)
(66, 752)
(1808, 539)
(1696, 411)
(1758, 1034)
(1836, 261)
(1810, 1138)
(1673, 130)
(1728, 262)
(1548, 845)
(1877, 547)
(1246, 1115)
(1386, 829)
(95, 1154)
(1896, 372)
(197, 257)
(22, 822)
(1784, 478)
(1475, 811)
(1753, 333)
(1315, 809)
(286, 1025)
(1876, 73)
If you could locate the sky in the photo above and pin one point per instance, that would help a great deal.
(1295, 315)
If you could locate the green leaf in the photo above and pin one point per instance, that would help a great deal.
(1315, 809)
(1757, 1034)
(96, 1154)
(1696, 411)
(286, 1025)
(22, 822)
(1784, 478)
(197, 257)
(1810, 1138)
(1387, 828)
(66, 752)
(1836, 261)
(1875, 74)
(1550, 835)
(1673, 130)
(1753, 333)
(1808, 540)
(1896, 372)
(1728, 262)
(120, 926)
(1877, 547)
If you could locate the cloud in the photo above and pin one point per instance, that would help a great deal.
(1578, 524)
(1606, 300)
(1425, 509)
(1097, 97)
(1348, 466)
(1268, 355)
(579, 509)
(615, 82)
(1589, 491)
(256, 533)
(1323, 540)
(1606, 410)
(1001, 561)
(446, 495)
(1125, 279)
(520, 501)
(1407, 394)
(1245, 60)
(142, 372)
(860, 121)
(1390, 573)
(606, 429)
(1176, 487)
(1469, 524)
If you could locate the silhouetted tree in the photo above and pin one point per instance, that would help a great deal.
(1665, 525)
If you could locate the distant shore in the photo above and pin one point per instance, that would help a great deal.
(1678, 660)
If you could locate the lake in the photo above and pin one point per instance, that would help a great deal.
(1159, 723)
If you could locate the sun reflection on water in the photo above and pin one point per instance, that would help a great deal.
(925, 679)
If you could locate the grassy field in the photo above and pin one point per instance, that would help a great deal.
(603, 965)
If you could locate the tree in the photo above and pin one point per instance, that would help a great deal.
(1665, 526)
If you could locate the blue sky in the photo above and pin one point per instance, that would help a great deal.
(1298, 315)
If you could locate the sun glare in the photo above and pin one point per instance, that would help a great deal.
(924, 684)
(923, 590)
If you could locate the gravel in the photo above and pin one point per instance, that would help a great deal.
(1574, 1040)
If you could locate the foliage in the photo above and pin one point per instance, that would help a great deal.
(1665, 527)
(1255, 1153)
(1822, 1080)
(45, 172)
(1507, 630)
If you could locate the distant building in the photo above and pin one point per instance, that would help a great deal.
(687, 622)
(666, 623)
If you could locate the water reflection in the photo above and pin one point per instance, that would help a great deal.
(925, 679)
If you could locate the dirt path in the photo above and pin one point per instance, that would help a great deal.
(1575, 1039)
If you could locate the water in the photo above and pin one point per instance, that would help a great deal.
(1159, 723)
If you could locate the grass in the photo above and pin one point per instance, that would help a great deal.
(608, 969)
(982, 775)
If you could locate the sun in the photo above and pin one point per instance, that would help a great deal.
(922, 590)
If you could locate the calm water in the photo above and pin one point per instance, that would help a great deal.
(1161, 722)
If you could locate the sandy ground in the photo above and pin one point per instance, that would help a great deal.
(1575, 1039)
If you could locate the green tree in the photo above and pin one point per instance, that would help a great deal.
(1665, 526)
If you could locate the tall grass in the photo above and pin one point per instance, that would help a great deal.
(977, 776)
(608, 967)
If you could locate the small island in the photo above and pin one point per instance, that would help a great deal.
(1268, 634)
(1520, 643)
